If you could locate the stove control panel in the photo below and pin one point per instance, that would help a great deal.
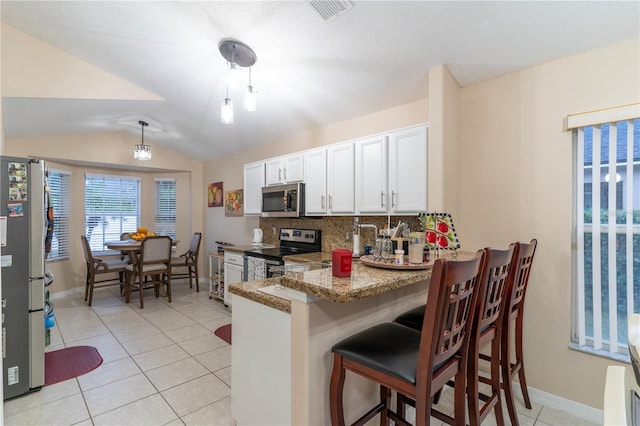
(310, 236)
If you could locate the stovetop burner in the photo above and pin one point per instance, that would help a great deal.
(292, 241)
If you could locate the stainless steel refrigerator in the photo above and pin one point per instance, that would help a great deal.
(22, 234)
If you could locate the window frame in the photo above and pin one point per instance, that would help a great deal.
(60, 194)
(598, 344)
(162, 198)
(117, 196)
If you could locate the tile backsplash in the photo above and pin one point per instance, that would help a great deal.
(336, 230)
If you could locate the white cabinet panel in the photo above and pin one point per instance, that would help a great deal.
(285, 169)
(371, 175)
(253, 183)
(408, 170)
(340, 179)
(315, 179)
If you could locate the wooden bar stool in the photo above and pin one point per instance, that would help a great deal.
(487, 327)
(514, 316)
(415, 364)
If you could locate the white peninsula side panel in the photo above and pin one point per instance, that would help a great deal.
(261, 367)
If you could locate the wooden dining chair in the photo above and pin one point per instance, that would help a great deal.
(154, 261)
(486, 329)
(123, 253)
(415, 364)
(97, 267)
(189, 260)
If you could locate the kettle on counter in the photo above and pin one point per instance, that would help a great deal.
(257, 236)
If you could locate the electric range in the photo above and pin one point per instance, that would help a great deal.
(292, 241)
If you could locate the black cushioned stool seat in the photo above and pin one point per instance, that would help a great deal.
(388, 347)
(412, 318)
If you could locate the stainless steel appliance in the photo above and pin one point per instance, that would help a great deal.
(292, 241)
(23, 274)
(283, 200)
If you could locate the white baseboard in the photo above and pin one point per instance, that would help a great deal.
(60, 294)
(556, 402)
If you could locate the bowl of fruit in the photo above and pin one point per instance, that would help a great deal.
(141, 233)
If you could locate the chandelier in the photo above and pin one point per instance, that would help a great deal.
(141, 151)
(238, 55)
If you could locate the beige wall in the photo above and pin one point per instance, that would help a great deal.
(112, 153)
(516, 183)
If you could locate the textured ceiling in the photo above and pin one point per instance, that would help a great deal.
(309, 72)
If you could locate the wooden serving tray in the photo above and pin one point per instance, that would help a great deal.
(368, 260)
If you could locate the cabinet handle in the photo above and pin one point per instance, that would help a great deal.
(393, 199)
(322, 202)
(285, 174)
(330, 202)
(279, 174)
(382, 199)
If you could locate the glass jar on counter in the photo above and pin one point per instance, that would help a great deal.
(416, 247)
(386, 251)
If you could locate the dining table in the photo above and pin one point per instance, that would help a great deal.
(131, 246)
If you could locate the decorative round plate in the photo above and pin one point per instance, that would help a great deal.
(368, 260)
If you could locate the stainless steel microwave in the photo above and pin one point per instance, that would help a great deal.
(283, 200)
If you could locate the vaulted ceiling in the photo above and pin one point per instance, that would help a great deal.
(309, 71)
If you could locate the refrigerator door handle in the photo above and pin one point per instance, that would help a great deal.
(37, 216)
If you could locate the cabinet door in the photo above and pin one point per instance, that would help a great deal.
(274, 171)
(232, 275)
(293, 168)
(287, 169)
(340, 179)
(371, 175)
(408, 170)
(315, 179)
(253, 183)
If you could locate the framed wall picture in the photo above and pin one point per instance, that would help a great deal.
(233, 203)
(214, 194)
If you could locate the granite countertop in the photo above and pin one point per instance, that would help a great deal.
(241, 249)
(365, 281)
(249, 290)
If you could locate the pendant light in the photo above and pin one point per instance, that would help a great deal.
(250, 97)
(141, 151)
(238, 56)
(226, 110)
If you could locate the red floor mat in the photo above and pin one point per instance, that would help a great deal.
(70, 362)
(224, 333)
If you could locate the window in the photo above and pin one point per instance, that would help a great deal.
(607, 234)
(165, 206)
(111, 206)
(58, 182)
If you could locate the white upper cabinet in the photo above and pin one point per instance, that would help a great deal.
(253, 183)
(371, 175)
(408, 170)
(340, 179)
(285, 169)
(315, 180)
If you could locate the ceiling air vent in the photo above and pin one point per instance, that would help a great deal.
(330, 9)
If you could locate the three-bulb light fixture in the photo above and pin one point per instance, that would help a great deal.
(238, 56)
(141, 151)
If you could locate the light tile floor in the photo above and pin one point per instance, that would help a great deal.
(162, 366)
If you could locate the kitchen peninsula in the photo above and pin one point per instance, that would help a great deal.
(281, 352)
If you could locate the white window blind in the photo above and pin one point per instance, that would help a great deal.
(112, 206)
(165, 222)
(607, 233)
(58, 182)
